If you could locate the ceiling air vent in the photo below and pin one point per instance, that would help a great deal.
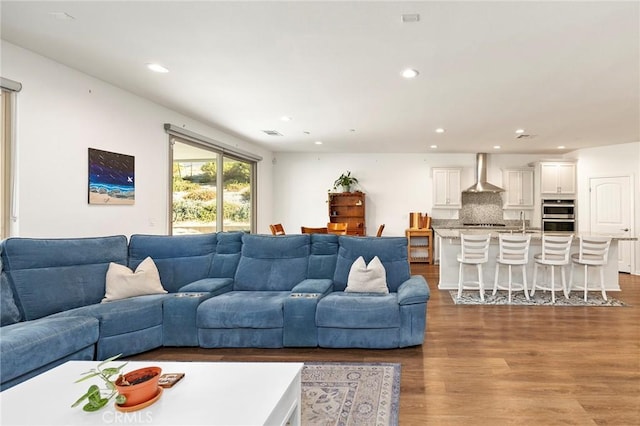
(272, 132)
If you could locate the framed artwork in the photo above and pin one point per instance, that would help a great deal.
(111, 178)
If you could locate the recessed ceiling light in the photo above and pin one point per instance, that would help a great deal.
(519, 131)
(561, 147)
(286, 118)
(157, 68)
(497, 147)
(433, 146)
(410, 73)
(440, 130)
(318, 142)
(410, 17)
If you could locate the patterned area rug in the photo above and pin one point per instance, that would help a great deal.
(350, 394)
(470, 297)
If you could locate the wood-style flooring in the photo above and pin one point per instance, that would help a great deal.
(499, 365)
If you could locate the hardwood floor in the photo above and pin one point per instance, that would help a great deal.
(499, 365)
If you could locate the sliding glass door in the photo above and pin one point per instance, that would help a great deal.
(212, 191)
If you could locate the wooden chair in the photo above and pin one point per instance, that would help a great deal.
(380, 229)
(594, 252)
(474, 252)
(513, 251)
(277, 229)
(307, 230)
(338, 228)
(555, 253)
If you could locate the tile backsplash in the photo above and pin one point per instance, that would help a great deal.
(481, 207)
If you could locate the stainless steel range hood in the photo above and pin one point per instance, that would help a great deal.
(481, 184)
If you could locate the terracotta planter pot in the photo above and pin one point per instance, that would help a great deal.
(143, 387)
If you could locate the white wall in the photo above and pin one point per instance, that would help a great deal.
(61, 113)
(612, 160)
(395, 184)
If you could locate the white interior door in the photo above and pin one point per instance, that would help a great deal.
(611, 201)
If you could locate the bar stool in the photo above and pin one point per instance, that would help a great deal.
(474, 251)
(594, 252)
(555, 252)
(513, 251)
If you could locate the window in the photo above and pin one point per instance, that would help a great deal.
(7, 148)
(199, 204)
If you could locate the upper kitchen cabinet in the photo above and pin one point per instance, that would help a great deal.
(446, 188)
(557, 178)
(518, 186)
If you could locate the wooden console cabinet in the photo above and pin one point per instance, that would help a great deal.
(348, 207)
(420, 245)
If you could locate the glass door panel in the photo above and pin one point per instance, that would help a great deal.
(237, 202)
(194, 205)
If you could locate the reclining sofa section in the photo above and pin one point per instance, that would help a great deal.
(224, 290)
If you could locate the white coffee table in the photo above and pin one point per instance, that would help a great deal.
(211, 393)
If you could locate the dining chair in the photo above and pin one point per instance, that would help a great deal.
(380, 229)
(308, 230)
(555, 253)
(338, 228)
(513, 250)
(474, 250)
(277, 229)
(594, 252)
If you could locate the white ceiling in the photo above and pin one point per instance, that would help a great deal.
(568, 73)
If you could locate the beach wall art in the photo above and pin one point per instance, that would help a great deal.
(111, 178)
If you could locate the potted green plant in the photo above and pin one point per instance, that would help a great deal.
(95, 396)
(346, 181)
(129, 389)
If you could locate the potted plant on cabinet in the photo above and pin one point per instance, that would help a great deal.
(346, 181)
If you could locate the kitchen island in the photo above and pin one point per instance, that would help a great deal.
(449, 248)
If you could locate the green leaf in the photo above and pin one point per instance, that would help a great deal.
(121, 399)
(108, 360)
(94, 393)
(82, 398)
(95, 405)
(82, 379)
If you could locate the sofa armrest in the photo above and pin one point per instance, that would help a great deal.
(209, 285)
(313, 286)
(414, 290)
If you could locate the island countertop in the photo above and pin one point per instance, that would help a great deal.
(448, 245)
(536, 234)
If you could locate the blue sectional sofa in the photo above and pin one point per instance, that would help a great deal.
(223, 290)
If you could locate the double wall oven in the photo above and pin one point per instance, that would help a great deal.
(558, 215)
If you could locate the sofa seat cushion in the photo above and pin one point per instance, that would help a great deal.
(122, 316)
(238, 309)
(29, 345)
(358, 310)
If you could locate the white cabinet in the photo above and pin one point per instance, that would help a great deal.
(518, 185)
(446, 188)
(557, 177)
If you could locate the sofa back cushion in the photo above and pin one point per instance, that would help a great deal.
(323, 257)
(392, 252)
(53, 275)
(9, 313)
(180, 259)
(272, 263)
(225, 261)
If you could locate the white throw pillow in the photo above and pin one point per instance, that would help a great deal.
(122, 282)
(365, 278)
